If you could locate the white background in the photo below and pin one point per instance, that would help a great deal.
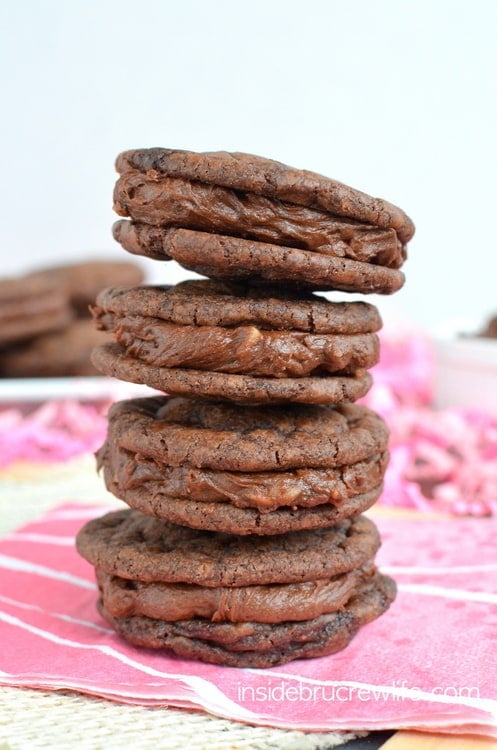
(397, 98)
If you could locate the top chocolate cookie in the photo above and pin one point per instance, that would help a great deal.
(272, 179)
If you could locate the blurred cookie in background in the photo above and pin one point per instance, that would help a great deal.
(29, 306)
(46, 328)
(56, 354)
(489, 331)
(81, 282)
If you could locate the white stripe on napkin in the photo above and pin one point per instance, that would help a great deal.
(62, 541)
(211, 697)
(448, 593)
(23, 566)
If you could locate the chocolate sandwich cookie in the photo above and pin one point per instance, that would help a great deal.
(30, 306)
(56, 354)
(269, 603)
(262, 176)
(201, 498)
(135, 318)
(259, 645)
(181, 432)
(81, 282)
(238, 216)
(131, 545)
(112, 360)
(264, 492)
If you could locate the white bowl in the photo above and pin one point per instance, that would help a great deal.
(466, 368)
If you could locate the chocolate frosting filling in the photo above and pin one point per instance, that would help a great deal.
(176, 202)
(269, 604)
(245, 350)
(264, 491)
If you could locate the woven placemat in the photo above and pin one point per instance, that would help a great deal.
(32, 719)
(62, 720)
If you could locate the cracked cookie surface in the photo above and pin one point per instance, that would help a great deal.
(270, 178)
(186, 432)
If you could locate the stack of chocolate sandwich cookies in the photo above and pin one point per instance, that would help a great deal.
(244, 542)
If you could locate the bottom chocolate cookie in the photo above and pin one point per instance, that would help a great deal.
(112, 360)
(227, 518)
(259, 645)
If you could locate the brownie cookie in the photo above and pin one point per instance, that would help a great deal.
(126, 471)
(270, 603)
(56, 354)
(131, 545)
(241, 216)
(256, 174)
(165, 201)
(236, 502)
(134, 317)
(111, 359)
(30, 306)
(238, 259)
(259, 645)
(221, 436)
(81, 282)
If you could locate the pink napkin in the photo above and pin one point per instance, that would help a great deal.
(429, 663)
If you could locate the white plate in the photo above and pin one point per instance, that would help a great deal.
(22, 390)
(466, 368)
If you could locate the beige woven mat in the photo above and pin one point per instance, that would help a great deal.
(31, 719)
